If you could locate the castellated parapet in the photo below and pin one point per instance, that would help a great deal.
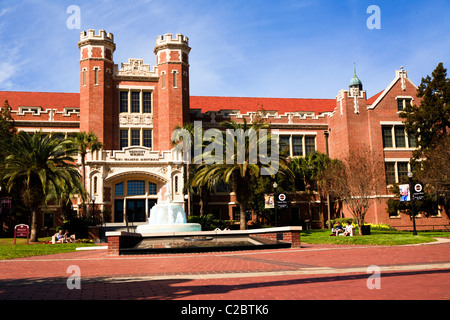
(168, 41)
(168, 38)
(90, 35)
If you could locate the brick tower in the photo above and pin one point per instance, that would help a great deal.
(349, 125)
(172, 108)
(96, 84)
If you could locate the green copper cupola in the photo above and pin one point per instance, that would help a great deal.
(355, 82)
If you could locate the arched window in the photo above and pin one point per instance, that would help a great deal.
(95, 185)
(176, 184)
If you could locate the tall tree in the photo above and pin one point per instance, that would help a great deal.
(35, 165)
(356, 181)
(240, 166)
(84, 141)
(7, 128)
(311, 173)
(429, 122)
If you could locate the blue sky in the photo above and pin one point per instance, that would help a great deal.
(284, 48)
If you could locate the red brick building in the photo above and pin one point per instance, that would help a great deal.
(134, 108)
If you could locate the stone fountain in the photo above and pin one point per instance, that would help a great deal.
(167, 216)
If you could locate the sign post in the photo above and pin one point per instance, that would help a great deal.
(21, 231)
(282, 201)
(418, 193)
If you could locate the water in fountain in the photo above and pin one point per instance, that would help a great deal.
(167, 216)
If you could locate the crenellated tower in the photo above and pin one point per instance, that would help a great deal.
(172, 109)
(96, 84)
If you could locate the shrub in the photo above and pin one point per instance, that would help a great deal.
(342, 221)
(77, 226)
(209, 222)
(380, 226)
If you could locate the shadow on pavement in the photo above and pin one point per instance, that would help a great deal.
(136, 289)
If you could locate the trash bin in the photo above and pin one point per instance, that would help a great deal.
(365, 230)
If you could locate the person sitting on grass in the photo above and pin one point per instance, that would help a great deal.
(337, 229)
(67, 237)
(59, 237)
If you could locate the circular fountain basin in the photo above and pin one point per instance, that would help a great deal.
(164, 228)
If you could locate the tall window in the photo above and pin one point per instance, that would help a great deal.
(135, 102)
(123, 138)
(400, 139)
(163, 80)
(176, 184)
(95, 185)
(123, 101)
(390, 172)
(84, 77)
(310, 145)
(284, 143)
(96, 78)
(402, 171)
(297, 146)
(411, 141)
(147, 138)
(135, 137)
(119, 189)
(147, 102)
(174, 73)
(387, 137)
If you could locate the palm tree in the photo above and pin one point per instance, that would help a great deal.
(35, 165)
(83, 142)
(242, 168)
(312, 171)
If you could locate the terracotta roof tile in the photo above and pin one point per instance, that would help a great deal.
(54, 100)
(374, 98)
(245, 105)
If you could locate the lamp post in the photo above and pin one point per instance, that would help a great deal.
(410, 175)
(275, 185)
(93, 207)
(326, 133)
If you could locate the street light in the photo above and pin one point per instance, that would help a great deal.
(275, 185)
(327, 134)
(93, 207)
(410, 175)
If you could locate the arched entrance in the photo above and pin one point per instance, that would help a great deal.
(133, 198)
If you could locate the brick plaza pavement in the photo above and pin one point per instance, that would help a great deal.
(313, 272)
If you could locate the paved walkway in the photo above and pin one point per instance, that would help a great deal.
(312, 272)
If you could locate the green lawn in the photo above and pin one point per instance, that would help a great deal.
(377, 237)
(10, 251)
